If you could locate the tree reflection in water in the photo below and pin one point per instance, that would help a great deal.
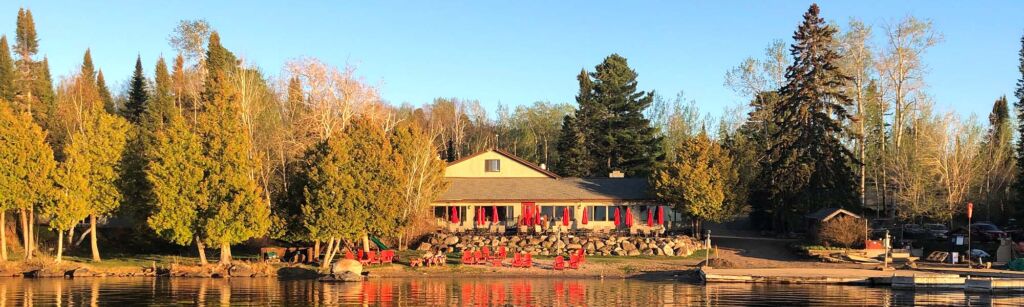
(459, 292)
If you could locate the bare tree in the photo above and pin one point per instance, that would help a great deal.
(901, 69)
(857, 63)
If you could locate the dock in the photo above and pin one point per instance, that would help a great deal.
(900, 279)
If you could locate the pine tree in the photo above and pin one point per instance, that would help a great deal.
(8, 75)
(997, 152)
(617, 135)
(105, 96)
(42, 88)
(810, 167)
(574, 160)
(137, 94)
(26, 175)
(219, 61)
(26, 45)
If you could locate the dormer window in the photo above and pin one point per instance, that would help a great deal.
(492, 165)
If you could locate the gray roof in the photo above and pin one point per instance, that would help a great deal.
(825, 214)
(546, 189)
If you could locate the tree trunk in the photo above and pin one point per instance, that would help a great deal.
(366, 242)
(3, 235)
(330, 252)
(316, 251)
(60, 245)
(202, 252)
(92, 238)
(225, 253)
(32, 230)
(23, 217)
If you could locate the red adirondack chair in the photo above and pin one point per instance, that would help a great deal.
(502, 253)
(487, 253)
(362, 258)
(349, 255)
(527, 261)
(574, 262)
(582, 255)
(387, 256)
(479, 257)
(559, 263)
(517, 260)
(467, 257)
(374, 257)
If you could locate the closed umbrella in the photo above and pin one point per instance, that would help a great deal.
(455, 215)
(584, 215)
(480, 216)
(661, 215)
(629, 217)
(617, 217)
(494, 214)
(565, 216)
(537, 218)
(650, 217)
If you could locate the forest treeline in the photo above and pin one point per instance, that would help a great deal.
(206, 150)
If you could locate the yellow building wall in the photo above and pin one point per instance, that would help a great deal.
(639, 222)
(474, 167)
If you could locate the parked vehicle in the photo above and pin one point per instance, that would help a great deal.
(913, 232)
(935, 230)
(986, 232)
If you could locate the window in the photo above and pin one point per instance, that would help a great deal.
(503, 213)
(597, 213)
(554, 213)
(445, 212)
(492, 165)
(440, 213)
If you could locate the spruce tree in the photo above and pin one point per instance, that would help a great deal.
(105, 96)
(88, 70)
(137, 94)
(8, 74)
(617, 136)
(574, 160)
(1019, 108)
(810, 167)
(219, 62)
(26, 45)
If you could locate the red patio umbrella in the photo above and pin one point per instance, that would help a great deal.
(584, 215)
(455, 215)
(661, 215)
(480, 216)
(629, 217)
(494, 214)
(650, 217)
(537, 218)
(617, 217)
(565, 216)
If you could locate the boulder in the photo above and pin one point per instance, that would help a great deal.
(667, 250)
(575, 246)
(559, 245)
(452, 240)
(424, 246)
(347, 266)
(45, 273)
(82, 272)
(633, 253)
(240, 270)
(627, 246)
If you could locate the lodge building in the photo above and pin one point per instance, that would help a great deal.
(497, 191)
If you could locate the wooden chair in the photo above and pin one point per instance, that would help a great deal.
(467, 257)
(479, 258)
(374, 258)
(574, 262)
(387, 256)
(559, 264)
(502, 252)
(349, 255)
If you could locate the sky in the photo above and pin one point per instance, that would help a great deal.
(519, 52)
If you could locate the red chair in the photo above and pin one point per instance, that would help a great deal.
(479, 257)
(374, 258)
(349, 255)
(574, 262)
(487, 253)
(528, 261)
(502, 253)
(467, 257)
(362, 258)
(387, 256)
(517, 260)
(582, 255)
(559, 264)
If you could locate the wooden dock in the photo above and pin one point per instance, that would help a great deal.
(997, 285)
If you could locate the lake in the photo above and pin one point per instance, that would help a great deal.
(462, 292)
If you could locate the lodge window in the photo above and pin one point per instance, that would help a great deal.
(504, 213)
(445, 212)
(598, 213)
(492, 165)
(554, 213)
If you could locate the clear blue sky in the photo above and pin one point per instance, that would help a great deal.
(517, 52)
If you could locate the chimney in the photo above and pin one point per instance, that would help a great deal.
(616, 174)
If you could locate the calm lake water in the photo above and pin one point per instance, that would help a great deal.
(461, 292)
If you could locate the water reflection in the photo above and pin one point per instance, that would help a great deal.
(460, 292)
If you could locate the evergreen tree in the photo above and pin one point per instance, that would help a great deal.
(88, 70)
(701, 182)
(8, 74)
(175, 172)
(42, 88)
(219, 62)
(105, 96)
(997, 152)
(809, 164)
(26, 45)
(574, 160)
(88, 178)
(1019, 108)
(26, 173)
(27, 42)
(236, 212)
(617, 136)
(137, 94)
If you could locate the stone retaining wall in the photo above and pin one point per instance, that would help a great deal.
(560, 244)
